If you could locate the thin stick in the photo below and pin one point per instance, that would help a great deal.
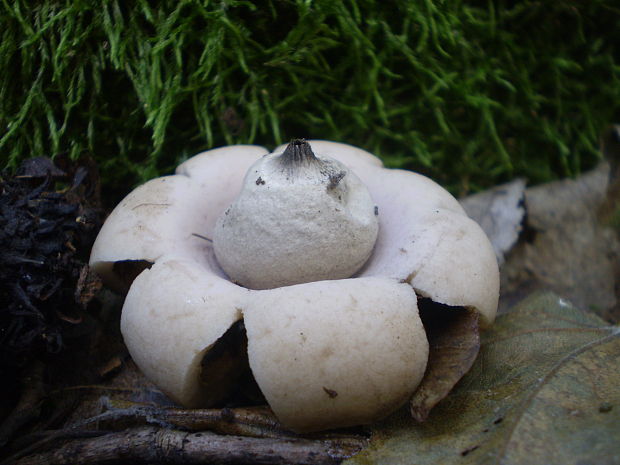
(154, 446)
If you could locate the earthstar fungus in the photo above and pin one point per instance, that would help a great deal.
(327, 349)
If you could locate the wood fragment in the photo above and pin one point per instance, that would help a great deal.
(154, 446)
(257, 422)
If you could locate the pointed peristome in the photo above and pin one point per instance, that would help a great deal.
(298, 152)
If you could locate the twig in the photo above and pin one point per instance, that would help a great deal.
(154, 446)
(257, 422)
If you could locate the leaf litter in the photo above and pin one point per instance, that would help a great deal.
(543, 390)
(560, 236)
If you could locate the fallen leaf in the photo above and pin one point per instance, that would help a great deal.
(454, 341)
(544, 389)
(565, 248)
(499, 212)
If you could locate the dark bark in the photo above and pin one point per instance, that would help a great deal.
(154, 446)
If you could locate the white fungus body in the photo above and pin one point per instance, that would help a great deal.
(336, 353)
(325, 354)
(298, 218)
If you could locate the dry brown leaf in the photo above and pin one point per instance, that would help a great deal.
(565, 248)
(454, 341)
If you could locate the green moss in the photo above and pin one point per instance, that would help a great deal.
(469, 92)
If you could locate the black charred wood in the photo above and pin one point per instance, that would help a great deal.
(48, 221)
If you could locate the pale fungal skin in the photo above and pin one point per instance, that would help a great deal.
(178, 309)
(299, 218)
(158, 217)
(425, 238)
(355, 351)
(202, 312)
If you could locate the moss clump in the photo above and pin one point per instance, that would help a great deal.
(468, 92)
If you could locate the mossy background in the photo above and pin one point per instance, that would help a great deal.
(471, 93)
